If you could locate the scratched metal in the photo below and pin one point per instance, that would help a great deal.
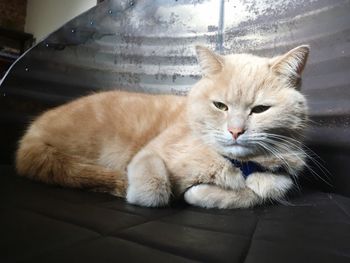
(148, 46)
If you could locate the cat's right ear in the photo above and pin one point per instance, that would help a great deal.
(292, 64)
(210, 62)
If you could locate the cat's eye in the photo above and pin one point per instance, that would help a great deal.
(260, 109)
(220, 105)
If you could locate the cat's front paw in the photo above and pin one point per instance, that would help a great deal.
(152, 193)
(212, 196)
(201, 195)
(269, 186)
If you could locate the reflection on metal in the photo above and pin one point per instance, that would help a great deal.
(148, 46)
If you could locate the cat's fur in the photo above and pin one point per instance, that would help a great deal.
(148, 148)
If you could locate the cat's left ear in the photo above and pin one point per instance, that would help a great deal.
(292, 64)
(210, 62)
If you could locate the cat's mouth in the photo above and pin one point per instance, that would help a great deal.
(233, 144)
(235, 149)
(236, 144)
(238, 150)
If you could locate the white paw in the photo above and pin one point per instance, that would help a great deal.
(270, 186)
(212, 196)
(154, 193)
(197, 194)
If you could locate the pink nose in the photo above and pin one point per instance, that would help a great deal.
(236, 132)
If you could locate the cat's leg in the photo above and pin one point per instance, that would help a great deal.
(229, 177)
(269, 186)
(206, 168)
(148, 180)
(212, 196)
(260, 187)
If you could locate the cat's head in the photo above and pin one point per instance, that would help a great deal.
(245, 104)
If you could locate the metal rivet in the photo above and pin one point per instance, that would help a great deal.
(26, 69)
(110, 11)
(47, 45)
(132, 2)
(4, 94)
(91, 22)
(73, 31)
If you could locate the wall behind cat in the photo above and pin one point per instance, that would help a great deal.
(45, 16)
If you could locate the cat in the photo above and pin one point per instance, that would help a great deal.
(244, 111)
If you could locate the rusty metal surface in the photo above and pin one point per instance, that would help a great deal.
(148, 46)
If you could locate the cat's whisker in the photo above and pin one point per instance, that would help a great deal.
(308, 155)
(277, 155)
(296, 183)
(313, 172)
(287, 145)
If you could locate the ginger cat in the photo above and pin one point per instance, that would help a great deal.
(246, 111)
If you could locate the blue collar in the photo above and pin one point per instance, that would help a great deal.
(250, 167)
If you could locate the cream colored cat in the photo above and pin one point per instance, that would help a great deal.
(246, 110)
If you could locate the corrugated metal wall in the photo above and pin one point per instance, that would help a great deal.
(148, 46)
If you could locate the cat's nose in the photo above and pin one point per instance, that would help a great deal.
(236, 132)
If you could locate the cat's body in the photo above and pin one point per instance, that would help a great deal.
(148, 148)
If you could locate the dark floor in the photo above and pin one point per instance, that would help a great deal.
(41, 223)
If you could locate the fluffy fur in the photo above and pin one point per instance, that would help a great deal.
(149, 148)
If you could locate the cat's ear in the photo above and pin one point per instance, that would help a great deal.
(292, 64)
(210, 62)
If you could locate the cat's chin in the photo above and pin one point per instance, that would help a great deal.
(238, 151)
